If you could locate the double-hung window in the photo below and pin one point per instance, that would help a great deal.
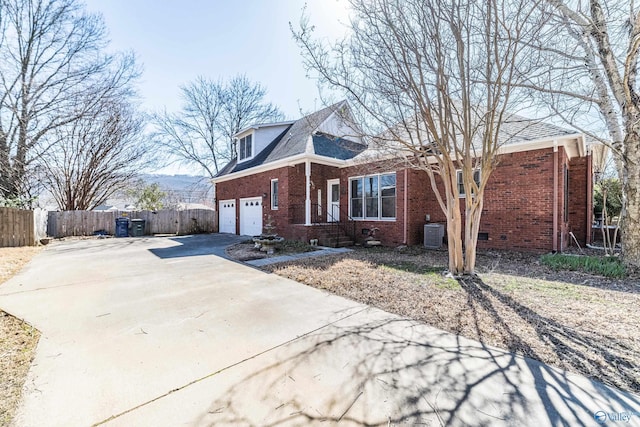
(246, 148)
(373, 197)
(476, 178)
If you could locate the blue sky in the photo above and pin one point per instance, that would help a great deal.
(176, 41)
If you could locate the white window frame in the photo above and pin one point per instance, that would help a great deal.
(274, 206)
(244, 140)
(364, 198)
(461, 193)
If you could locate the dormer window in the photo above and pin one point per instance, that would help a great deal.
(246, 147)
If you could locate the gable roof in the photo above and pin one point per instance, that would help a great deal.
(294, 140)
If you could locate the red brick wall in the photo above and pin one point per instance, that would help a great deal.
(580, 201)
(518, 206)
(391, 232)
(257, 185)
(291, 197)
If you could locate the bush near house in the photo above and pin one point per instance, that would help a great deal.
(604, 266)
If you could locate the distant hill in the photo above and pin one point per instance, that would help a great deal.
(182, 189)
(177, 182)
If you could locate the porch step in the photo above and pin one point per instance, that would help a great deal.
(331, 235)
(335, 242)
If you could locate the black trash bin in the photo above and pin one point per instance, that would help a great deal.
(122, 227)
(137, 227)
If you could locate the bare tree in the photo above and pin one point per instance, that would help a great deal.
(96, 156)
(50, 57)
(434, 80)
(590, 53)
(202, 132)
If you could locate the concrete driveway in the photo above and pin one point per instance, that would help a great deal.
(166, 331)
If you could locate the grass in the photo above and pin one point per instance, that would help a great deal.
(604, 266)
(295, 246)
(584, 323)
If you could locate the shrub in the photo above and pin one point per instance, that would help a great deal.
(614, 196)
(604, 266)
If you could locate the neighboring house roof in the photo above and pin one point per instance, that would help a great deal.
(294, 140)
(185, 206)
(105, 208)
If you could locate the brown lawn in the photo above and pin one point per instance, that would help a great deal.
(579, 322)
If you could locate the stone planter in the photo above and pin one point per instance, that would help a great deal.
(267, 243)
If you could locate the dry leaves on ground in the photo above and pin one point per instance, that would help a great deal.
(579, 322)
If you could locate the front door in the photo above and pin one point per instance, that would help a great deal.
(333, 200)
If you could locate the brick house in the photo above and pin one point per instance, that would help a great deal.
(314, 179)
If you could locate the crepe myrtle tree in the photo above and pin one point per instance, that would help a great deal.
(201, 133)
(587, 56)
(432, 81)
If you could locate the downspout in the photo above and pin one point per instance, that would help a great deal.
(555, 196)
(406, 175)
(589, 212)
(307, 202)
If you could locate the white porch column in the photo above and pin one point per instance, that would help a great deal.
(307, 202)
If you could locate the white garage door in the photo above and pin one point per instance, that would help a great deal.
(227, 216)
(251, 216)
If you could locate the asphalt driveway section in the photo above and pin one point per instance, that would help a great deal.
(165, 331)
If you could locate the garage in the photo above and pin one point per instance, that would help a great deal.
(227, 219)
(251, 216)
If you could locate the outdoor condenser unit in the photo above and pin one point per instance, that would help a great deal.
(433, 234)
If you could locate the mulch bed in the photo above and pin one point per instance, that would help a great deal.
(246, 251)
(579, 322)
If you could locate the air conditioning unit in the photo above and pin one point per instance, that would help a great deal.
(433, 234)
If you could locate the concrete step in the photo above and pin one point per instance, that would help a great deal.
(340, 242)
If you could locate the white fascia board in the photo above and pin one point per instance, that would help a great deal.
(547, 142)
(289, 161)
(577, 140)
(264, 125)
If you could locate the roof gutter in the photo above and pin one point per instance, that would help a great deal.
(289, 161)
(555, 196)
(528, 145)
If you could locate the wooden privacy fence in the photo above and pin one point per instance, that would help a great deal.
(87, 223)
(16, 228)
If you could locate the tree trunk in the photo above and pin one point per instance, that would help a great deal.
(631, 194)
(454, 237)
(472, 218)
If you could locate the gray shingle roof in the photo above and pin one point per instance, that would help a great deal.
(293, 141)
(334, 147)
(517, 129)
(514, 129)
